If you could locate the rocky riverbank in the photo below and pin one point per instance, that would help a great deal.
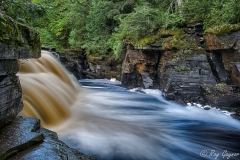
(25, 139)
(189, 65)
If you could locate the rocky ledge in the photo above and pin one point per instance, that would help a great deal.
(188, 65)
(16, 41)
(25, 139)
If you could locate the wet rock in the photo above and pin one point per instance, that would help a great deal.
(105, 67)
(182, 78)
(18, 136)
(227, 42)
(217, 66)
(11, 98)
(24, 139)
(231, 61)
(48, 48)
(140, 68)
(16, 41)
(207, 108)
(222, 96)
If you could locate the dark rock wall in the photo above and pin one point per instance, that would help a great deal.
(16, 41)
(182, 79)
(140, 68)
(87, 65)
(189, 66)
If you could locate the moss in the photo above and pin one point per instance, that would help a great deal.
(195, 20)
(208, 90)
(147, 40)
(18, 35)
(177, 38)
(170, 32)
(9, 33)
(224, 29)
(182, 68)
(221, 85)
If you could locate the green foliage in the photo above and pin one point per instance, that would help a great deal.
(103, 26)
(142, 21)
(208, 90)
(47, 38)
(221, 85)
(223, 12)
(24, 11)
(174, 20)
(182, 68)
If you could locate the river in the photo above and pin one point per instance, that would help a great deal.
(103, 119)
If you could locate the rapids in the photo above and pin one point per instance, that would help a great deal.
(102, 119)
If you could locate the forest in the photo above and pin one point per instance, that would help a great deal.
(105, 26)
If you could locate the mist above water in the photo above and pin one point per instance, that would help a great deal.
(107, 121)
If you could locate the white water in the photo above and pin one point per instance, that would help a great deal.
(110, 122)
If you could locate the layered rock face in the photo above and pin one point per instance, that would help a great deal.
(103, 67)
(16, 41)
(140, 68)
(225, 58)
(87, 65)
(187, 65)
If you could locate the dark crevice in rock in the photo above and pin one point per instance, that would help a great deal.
(158, 60)
(2, 77)
(222, 73)
(213, 68)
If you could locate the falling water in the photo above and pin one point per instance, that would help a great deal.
(48, 90)
(110, 122)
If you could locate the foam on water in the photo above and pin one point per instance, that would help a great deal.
(111, 122)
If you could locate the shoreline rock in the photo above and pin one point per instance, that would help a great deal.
(25, 139)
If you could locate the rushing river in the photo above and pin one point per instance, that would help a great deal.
(107, 121)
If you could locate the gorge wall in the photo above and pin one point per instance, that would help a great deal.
(16, 41)
(187, 65)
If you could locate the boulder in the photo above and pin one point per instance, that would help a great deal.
(25, 139)
(221, 96)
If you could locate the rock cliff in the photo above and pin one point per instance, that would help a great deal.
(188, 65)
(16, 41)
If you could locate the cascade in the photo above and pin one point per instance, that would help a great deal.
(113, 123)
(48, 90)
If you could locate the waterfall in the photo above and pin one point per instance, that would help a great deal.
(47, 89)
(113, 123)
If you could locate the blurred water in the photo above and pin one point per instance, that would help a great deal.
(110, 122)
(105, 120)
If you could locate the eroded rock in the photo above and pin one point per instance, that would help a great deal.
(140, 68)
(25, 139)
(16, 41)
